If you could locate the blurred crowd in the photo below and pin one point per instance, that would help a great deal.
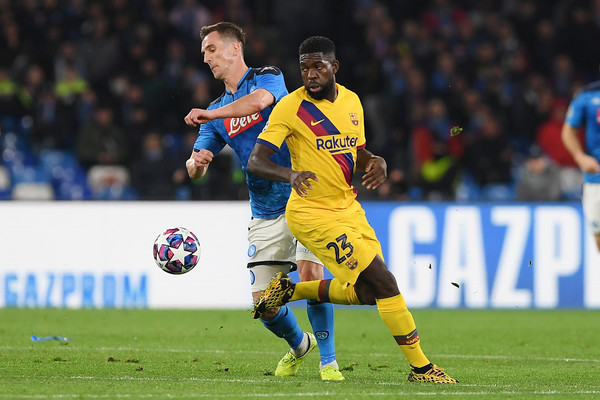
(93, 93)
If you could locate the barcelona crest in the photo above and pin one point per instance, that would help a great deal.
(352, 263)
(354, 118)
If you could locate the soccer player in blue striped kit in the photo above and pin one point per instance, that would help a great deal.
(235, 119)
(585, 110)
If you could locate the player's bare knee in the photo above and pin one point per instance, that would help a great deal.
(366, 297)
(365, 293)
(309, 271)
(385, 291)
(385, 287)
(388, 285)
(378, 281)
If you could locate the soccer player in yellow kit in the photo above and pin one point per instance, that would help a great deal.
(323, 126)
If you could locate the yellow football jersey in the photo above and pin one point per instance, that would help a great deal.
(323, 137)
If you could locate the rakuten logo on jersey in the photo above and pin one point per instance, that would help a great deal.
(237, 125)
(335, 143)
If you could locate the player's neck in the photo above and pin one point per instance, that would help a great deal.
(333, 95)
(335, 92)
(237, 73)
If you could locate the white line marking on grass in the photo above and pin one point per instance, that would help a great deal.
(198, 379)
(218, 351)
(495, 357)
(137, 378)
(591, 360)
(288, 395)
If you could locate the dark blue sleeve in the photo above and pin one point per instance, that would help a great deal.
(209, 138)
(576, 111)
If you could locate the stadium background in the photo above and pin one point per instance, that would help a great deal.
(92, 100)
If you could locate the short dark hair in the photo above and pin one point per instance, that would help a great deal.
(317, 44)
(227, 29)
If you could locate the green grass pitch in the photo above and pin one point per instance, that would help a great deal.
(225, 354)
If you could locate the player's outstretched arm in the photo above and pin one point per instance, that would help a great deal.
(260, 164)
(198, 163)
(374, 166)
(586, 162)
(244, 106)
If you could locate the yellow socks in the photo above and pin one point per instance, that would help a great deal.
(325, 291)
(393, 312)
(307, 290)
(399, 320)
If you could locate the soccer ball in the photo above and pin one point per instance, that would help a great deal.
(176, 250)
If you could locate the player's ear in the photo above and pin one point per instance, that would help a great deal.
(335, 66)
(237, 48)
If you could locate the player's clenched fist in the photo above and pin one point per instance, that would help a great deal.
(197, 116)
(202, 158)
(198, 162)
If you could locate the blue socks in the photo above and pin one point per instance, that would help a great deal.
(320, 316)
(285, 326)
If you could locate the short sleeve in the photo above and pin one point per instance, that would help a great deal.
(576, 112)
(271, 79)
(362, 140)
(277, 128)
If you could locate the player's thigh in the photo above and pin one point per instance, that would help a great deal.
(304, 254)
(309, 266)
(261, 276)
(346, 246)
(591, 206)
(272, 249)
(309, 271)
(270, 241)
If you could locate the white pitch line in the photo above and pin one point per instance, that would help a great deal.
(499, 357)
(231, 380)
(288, 395)
(348, 355)
(138, 378)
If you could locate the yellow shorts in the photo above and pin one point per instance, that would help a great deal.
(343, 240)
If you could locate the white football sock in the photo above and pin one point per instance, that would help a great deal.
(333, 364)
(303, 347)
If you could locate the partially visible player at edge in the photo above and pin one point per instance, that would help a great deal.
(235, 119)
(585, 110)
(323, 126)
